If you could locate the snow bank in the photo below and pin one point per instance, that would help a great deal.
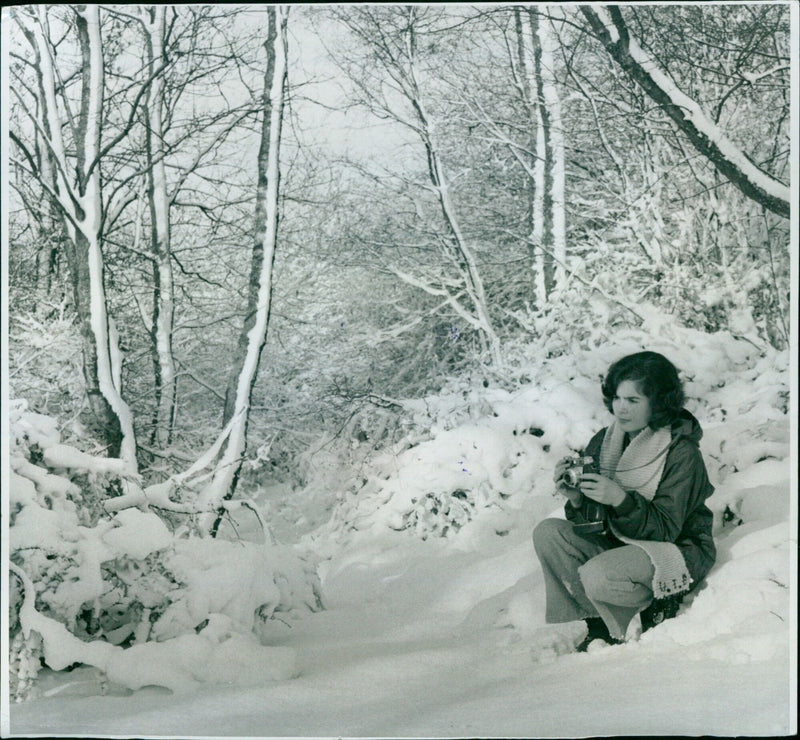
(483, 479)
(122, 591)
(493, 449)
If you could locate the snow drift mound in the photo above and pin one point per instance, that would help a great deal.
(133, 591)
(490, 452)
(483, 478)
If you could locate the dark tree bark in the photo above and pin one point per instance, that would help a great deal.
(546, 153)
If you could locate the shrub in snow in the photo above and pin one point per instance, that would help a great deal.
(86, 580)
(439, 513)
(45, 363)
(485, 449)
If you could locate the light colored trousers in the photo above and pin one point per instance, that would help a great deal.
(588, 576)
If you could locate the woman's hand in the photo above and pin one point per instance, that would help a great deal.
(573, 494)
(602, 489)
(561, 466)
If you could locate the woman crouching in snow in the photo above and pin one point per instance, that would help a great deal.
(654, 541)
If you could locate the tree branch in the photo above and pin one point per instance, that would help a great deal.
(704, 135)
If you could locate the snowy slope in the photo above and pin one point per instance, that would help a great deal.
(434, 600)
(397, 654)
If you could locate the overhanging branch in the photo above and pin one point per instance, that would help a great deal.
(704, 134)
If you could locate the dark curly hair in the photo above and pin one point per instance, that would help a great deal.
(656, 377)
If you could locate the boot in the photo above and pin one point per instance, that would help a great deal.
(597, 631)
(659, 610)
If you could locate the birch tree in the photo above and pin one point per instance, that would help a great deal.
(550, 108)
(72, 179)
(153, 21)
(253, 336)
(525, 120)
(388, 83)
(536, 46)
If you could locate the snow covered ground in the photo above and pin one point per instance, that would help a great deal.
(434, 618)
(400, 652)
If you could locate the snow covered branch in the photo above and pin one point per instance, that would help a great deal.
(706, 136)
(74, 181)
(253, 335)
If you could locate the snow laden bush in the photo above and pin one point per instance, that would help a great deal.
(491, 443)
(45, 364)
(439, 513)
(129, 591)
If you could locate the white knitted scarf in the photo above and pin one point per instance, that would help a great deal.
(639, 468)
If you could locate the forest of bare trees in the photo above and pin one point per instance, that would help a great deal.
(544, 157)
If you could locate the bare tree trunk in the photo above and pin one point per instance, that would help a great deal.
(256, 324)
(535, 44)
(106, 359)
(76, 188)
(463, 252)
(153, 20)
(551, 103)
(542, 171)
(534, 184)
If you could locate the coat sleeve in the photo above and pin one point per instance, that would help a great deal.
(662, 519)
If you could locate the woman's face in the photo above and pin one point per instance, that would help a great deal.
(631, 407)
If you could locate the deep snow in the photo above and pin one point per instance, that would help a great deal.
(397, 654)
(431, 635)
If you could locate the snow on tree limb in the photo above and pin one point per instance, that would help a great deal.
(450, 299)
(208, 456)
(107, 350)
(705, 135)
(465, 257)
(76, 187)
(254, 331)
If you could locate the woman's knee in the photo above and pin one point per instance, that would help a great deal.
(546, 532)
(594, 578)
(617, 574)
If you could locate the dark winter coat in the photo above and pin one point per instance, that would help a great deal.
(677, 512)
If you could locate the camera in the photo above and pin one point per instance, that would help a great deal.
(592, 511)
(576, 467)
